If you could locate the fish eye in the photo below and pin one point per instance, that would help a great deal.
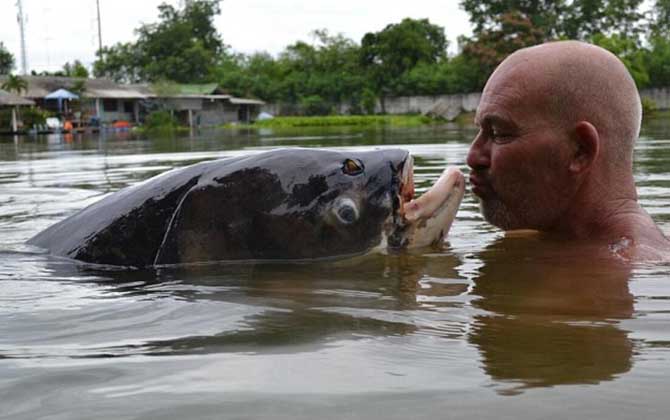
(347, 212)
(352, 167)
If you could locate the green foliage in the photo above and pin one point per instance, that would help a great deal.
(164, 87)
(368, 101)
(317, 75)
(28, 116)
(15, 83)
(390, 54)
(657, 61)
(507, 33)
(576, 19)
(76, 69)
(630, 54)
(183, 46)
(649, 107)
(315, 105)
(78, 87)
(659, 21)
(33, 116)
(405, 58)
(341, 120)
(160, 120)
(5, 119)
(6, 60)
(504, 26)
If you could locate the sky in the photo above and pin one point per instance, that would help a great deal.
(60, 31)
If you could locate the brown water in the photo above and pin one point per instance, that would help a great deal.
(490, 326)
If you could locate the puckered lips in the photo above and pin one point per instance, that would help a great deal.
(479, 184)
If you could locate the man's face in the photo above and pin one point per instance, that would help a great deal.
(520, 157)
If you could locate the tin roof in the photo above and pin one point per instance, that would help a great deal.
(41, 86)
(9, 99)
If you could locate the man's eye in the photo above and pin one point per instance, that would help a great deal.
(500, 137)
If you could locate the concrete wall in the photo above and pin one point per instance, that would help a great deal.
(660, 96)
(467, 102)
(217, 113)
(422, 104)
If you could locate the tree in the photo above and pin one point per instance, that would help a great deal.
(79, 87)
(6, 60)
(573, 19)
(15, 83)
(659, 24)
(585, 19)
(626, 48)
(389, 54)
(513, 31)
(76, 69)
(486, 15)
(183, 46)
(657, 61)
(503, 26)
(310, 77)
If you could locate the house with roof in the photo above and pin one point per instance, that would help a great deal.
(100, 98)
(108, 101)
(12, 102)
(202, 104)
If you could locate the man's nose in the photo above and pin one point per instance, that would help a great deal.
(479, 156)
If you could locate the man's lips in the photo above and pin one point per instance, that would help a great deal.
(479, 185)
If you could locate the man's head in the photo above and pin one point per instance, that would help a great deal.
(555, 121)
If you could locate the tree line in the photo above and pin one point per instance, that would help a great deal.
(405, 58)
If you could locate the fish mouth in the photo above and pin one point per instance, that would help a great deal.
(425, 220)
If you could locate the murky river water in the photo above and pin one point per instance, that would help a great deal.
(488, 327)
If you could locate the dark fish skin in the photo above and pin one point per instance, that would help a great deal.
(284, 204)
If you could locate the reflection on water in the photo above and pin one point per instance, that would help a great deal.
(489, 325)
(552, 314)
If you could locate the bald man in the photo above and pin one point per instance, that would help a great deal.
(554, 153)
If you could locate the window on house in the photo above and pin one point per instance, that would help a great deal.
(128, 107)
(110, 105)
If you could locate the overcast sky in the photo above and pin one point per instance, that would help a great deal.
(65, 30)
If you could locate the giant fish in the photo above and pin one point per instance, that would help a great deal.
(284, 204)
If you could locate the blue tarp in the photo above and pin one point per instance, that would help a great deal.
(61, 94)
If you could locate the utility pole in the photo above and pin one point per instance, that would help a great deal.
(97, 2)
(22, 23)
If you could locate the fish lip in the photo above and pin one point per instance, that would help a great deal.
(450, 185)
(452, 180)
(406, 190)
(426, 220)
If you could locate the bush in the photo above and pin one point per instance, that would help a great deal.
(160, 120)
(33, 116)
(315, 105)
(648, 107)
(28, 116)
(368, 101)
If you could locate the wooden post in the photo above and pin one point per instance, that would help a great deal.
(15, 127)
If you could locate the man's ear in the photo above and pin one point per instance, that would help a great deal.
(587, 141)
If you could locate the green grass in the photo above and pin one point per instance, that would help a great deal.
(346, 120)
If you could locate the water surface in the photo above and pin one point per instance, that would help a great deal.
(489, 326)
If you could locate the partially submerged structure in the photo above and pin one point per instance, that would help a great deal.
(13, 102)
(107, 101)
(201, 104)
